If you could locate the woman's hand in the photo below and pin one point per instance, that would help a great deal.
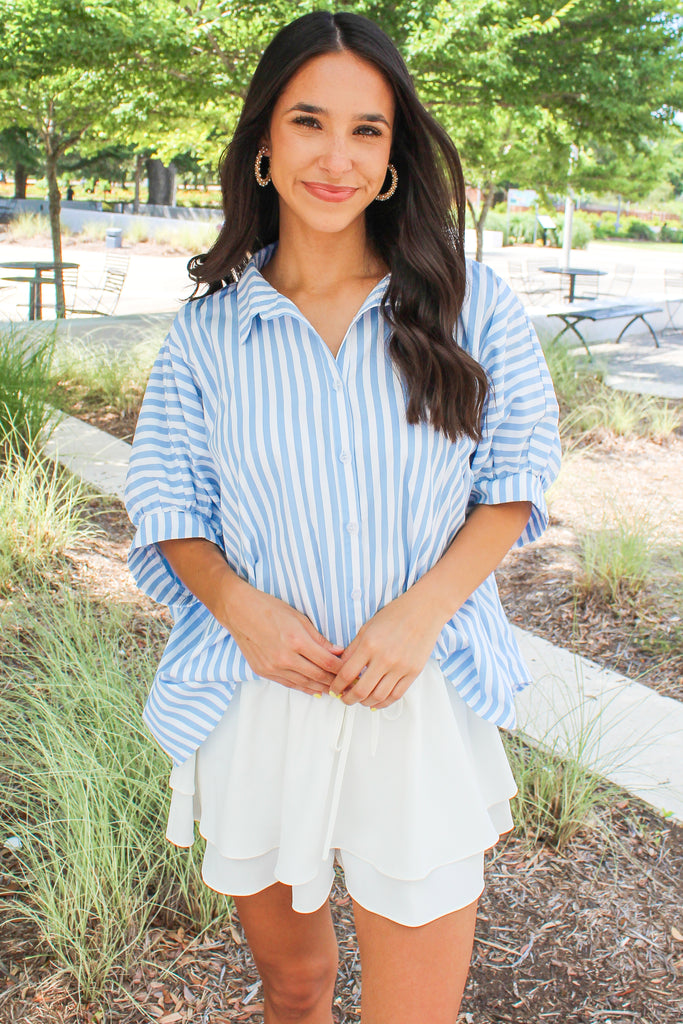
(395, 644)
(281, 643)
(278, 641)
(390, 650)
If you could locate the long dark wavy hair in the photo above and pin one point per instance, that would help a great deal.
(419, 232)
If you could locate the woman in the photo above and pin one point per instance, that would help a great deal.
(340, 440)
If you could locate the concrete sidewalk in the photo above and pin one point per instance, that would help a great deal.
(623, 730)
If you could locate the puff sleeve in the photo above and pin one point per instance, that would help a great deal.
(172, 486)
(519, 454)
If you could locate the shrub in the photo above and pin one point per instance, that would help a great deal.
(670, 233)
(604, 225)
(582, 232)
(640, 230)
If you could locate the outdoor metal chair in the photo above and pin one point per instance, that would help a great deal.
(673, 298)
(102, 298)
(621, 280)
(526, 280)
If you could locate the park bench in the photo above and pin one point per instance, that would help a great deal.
(616, 311)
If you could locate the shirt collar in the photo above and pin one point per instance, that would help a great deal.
(255, 297)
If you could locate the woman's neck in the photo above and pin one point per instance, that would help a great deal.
(320, 262)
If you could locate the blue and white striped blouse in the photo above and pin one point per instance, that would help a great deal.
(303, 468)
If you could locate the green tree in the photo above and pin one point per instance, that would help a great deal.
(68, 68)
(517, 83)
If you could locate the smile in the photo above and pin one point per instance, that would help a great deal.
(330, 193)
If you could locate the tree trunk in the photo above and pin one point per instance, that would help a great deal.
(20, 177)
(138, 182)
(488, 194)
(55, 226)
(161, 183)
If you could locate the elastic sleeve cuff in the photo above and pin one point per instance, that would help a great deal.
(526, 486)
(149, 568)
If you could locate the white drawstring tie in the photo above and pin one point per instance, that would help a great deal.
(342, 744)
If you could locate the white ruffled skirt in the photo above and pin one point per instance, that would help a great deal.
(407, 799)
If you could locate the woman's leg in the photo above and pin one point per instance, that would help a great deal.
(413, 975)
(296, 954)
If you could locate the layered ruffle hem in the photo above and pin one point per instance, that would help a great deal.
(407, 798)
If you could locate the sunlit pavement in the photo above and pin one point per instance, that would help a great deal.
(153, 284)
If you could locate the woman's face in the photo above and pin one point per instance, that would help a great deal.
(330, 141)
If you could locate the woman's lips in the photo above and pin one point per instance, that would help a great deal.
(329, 194)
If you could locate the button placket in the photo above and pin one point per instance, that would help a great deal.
(352, 525)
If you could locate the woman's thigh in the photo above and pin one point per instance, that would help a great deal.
(413, 975)
(292, 951)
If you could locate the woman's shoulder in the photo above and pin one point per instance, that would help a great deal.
(486, 287)
(201, 320)
(490, 311)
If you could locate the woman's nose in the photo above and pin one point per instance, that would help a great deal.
(335, 158)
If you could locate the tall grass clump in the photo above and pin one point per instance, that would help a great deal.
(93, 230)
(95, 375)
(28, 225)
(136, 231)
(557, 795)
(616, 560)
(87, 794)
(572, 377)
(196, 236)
(41, 514)
(25, 360)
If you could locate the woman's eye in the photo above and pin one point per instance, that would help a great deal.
(312, 122)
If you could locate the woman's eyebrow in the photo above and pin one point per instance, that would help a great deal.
(310, 108)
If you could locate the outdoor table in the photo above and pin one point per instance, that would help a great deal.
(35, 283)
(632, 310)
(573, 273)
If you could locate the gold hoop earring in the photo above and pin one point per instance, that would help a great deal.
(392, 188)
(257, 167)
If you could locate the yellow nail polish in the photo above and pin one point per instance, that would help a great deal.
(317, 695)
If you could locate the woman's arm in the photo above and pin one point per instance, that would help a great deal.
(479, 546)
(278, 641)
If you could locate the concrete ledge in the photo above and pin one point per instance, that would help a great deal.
(97, 457)
(620, 729)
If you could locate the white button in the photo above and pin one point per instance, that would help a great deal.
(355, 594)
(352, 527)
(337, 384)
(344, 456)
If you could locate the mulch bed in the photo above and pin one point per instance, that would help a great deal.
(590, 936)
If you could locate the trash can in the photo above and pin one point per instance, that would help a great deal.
(113, 238)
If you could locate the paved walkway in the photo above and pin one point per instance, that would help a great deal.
(623, 730)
